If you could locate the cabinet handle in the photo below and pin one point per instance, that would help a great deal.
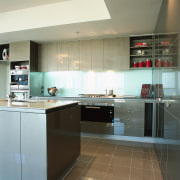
(92, 107)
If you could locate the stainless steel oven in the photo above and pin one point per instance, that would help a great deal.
(98, 112)
(19, 79)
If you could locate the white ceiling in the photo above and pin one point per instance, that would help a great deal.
(128, 17)
(10, 5)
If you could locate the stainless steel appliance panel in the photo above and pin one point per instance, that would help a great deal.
(129, 117)
(97, 113)
(19, 79)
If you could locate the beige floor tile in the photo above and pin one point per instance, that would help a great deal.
(154, 157)
(144, 145)
(141, 155)
(88, 178)
(76, 171)
(97, 140)
(103, 158)
(95, 170)
(106, 150)
(123, 153)
(110, 141)
(114, 178)
(141, 164)
(89, 150)
(118, 172)
(127, 148)
(85, 158)
(94, 143)
(141, 174)
(121, 161)
(74, 175)
(115, 160)
(108, 145)
(158, 175)
(142, 149)
(156, 166)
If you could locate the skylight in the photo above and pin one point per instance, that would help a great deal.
(54, 14)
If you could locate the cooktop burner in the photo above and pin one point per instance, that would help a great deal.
(94, 95)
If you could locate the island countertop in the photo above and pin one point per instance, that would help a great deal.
(37, 138)
(35, 106)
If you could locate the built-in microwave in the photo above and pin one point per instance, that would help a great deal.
(19, 79)
(20, 94)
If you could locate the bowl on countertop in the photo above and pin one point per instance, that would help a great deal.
(52, 91)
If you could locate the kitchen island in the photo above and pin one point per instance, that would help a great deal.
(40, 139)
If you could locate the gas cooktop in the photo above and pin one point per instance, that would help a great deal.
(95, 95)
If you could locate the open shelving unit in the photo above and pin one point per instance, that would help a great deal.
(162, 47)
(141, 49)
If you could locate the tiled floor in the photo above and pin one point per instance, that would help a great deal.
(102, 159)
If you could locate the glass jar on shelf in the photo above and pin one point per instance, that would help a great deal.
(148, 63)
(134, 64)
(170, 63)
(140, 64)
(158, 63)
(165, 63)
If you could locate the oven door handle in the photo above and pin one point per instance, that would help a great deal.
(92, 107)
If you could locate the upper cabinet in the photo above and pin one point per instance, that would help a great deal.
(63, 56)
(20, 51)
(74, 62)
(97, 54)
(52, 56)
(85, 55)
(154, 51)
(48, 57)
(43, 57)
(24, 51)
(110, 62)
(122, 45)
(116, 53)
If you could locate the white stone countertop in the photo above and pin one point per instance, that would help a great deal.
(35, 106)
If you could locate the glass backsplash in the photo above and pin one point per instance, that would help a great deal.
(73, 83)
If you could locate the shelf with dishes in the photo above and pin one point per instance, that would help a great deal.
(158, 61)
(141, 51)
(154, 51)
(19, 65)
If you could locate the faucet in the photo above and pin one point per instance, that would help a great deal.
(12, 95)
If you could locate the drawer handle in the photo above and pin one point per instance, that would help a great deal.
(92, 107)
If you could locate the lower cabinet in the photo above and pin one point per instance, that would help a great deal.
(10, 159)
(33, 146)
(129, 118)
(38, 146)
(168, 143)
